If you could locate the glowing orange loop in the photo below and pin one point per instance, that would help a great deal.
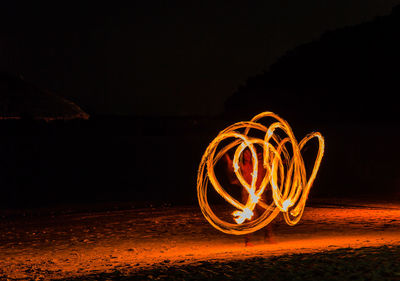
(285, 174)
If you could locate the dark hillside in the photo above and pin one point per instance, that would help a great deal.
(345, 85)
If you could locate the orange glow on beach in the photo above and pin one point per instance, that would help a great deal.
(285, 173)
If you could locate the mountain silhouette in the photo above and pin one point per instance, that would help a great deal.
(345, 85)
(20, 99)
(349, 73)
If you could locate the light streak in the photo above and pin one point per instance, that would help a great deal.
(285, 173)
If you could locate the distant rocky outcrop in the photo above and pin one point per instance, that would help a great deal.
(19, 99)
(352, 72)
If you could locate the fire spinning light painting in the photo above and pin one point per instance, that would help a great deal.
(285, 173)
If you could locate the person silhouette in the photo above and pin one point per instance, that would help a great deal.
(246, 167)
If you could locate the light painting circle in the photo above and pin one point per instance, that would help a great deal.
(285, 173)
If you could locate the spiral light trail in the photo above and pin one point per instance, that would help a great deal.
(285, 173)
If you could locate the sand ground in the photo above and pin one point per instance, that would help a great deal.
(56, 245)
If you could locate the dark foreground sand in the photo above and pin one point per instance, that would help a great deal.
(336, 240)
(367, 263)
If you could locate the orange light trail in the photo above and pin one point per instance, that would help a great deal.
(285, 173)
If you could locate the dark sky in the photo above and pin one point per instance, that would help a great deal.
(161, 57)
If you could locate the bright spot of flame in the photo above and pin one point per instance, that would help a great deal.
(285, 174)
(241, 216)
(286, 204)
(235, 166)
(254, 198)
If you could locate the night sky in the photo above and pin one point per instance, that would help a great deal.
(161, 57)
